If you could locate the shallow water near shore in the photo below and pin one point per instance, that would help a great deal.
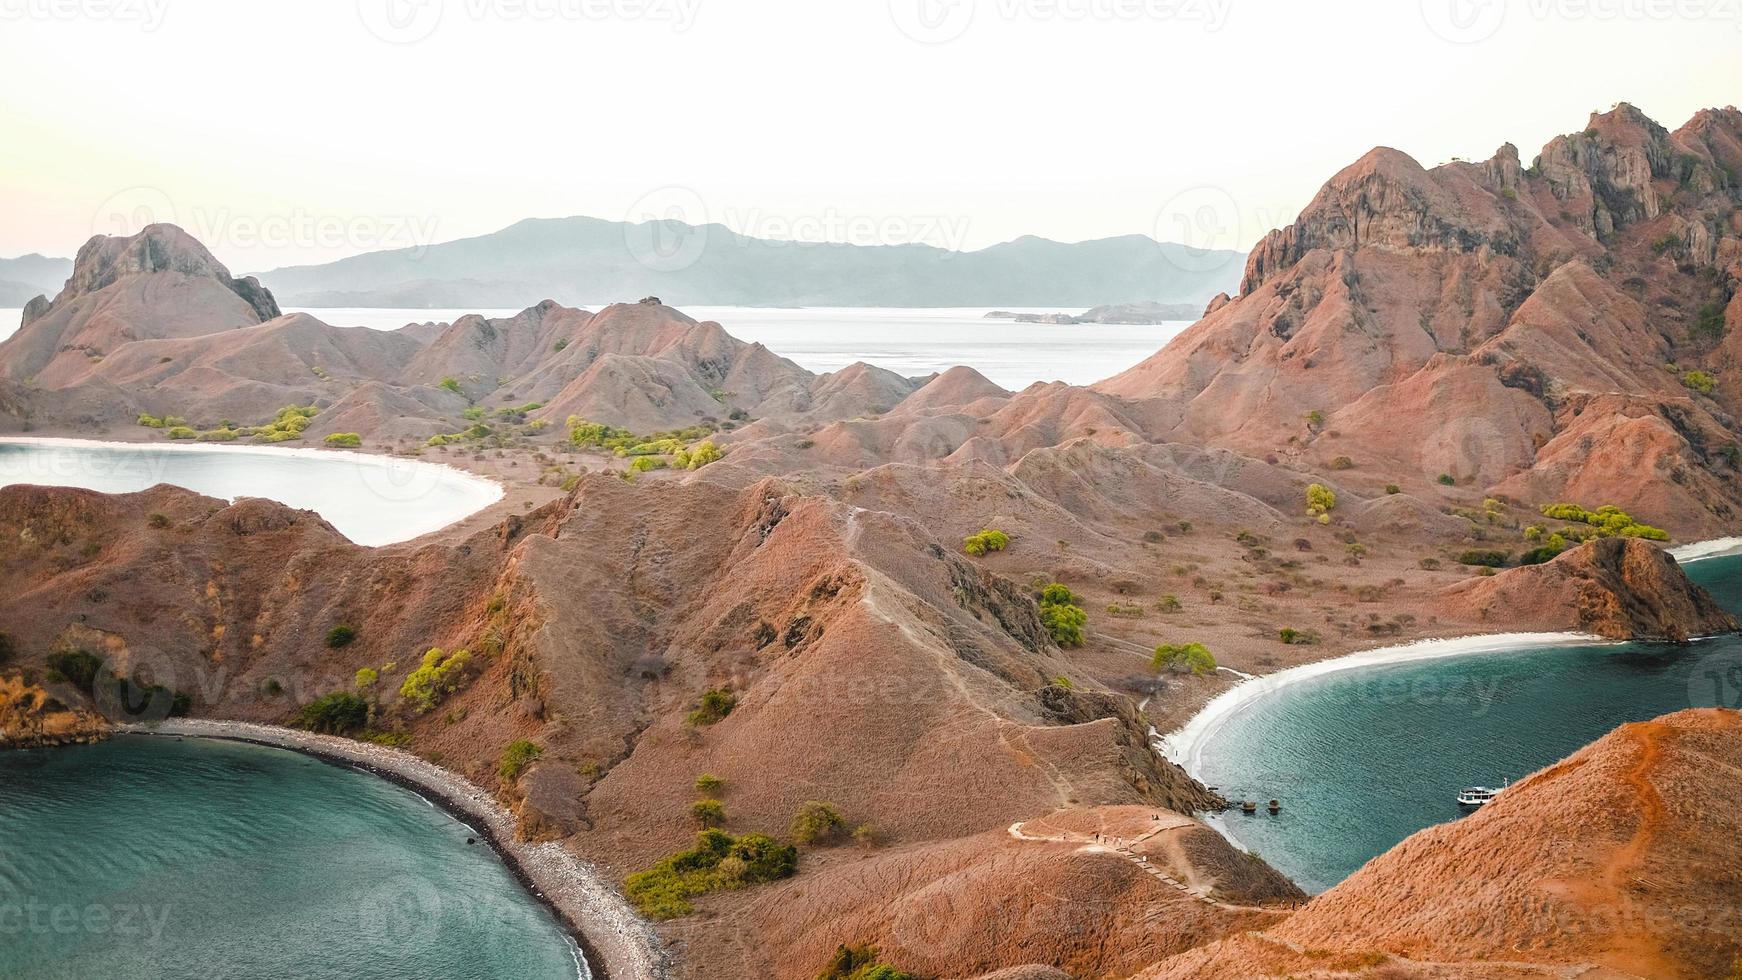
(157, 857)
(1363, 758)
(373, 500)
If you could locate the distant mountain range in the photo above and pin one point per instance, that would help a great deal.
(31, 275)
(589, 262)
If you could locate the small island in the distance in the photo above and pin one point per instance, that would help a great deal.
(1145, 313)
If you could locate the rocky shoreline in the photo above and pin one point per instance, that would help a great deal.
(617, 942)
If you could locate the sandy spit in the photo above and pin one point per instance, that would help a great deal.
(619, 944)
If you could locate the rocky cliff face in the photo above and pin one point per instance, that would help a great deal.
(158, 284)
(1619, 588)
(1528, 331)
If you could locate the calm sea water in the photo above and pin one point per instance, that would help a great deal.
(912, 342)
(372, 500)
(146, 857)
(1364, 758)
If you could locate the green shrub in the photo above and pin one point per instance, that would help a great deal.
(1314, 419)
(1484, 558)
(718, 861)
(351, 439)
(709, 784)
(1699, 381)
(473, 414)
(435, 678)
(700, 455)
(642, 464)
(158, 521)
(1710, 321)
(1194, 657)
(1062, 614)
(860, 963)
(334, 714)
(1321, 500)
(1609, 521)
(1448, 480)
(816, 823)
(1393, 489)
(1168, 604)
(707, 813)
(715, 705)
(1342, 463)
(451, 384)
(366, 678)
(181, 432)
(988, 540)
(1537, 556)
(219, 435)
(150, 421)
(516, 756)
(340, 636)
(77, 667)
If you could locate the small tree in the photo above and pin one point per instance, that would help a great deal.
(707, 814)
(516, 756)
(1321, 500)
(714, 706)
(816, 823)
(1180, 657)
(709, 784)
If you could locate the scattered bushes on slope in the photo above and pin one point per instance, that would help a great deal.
(860, 963)
(1610, 521)
(350, 439)
(718, 861)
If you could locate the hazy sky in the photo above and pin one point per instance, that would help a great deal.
(286, 132)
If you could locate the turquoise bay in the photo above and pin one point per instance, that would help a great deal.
(150, 857)
(1365, 757)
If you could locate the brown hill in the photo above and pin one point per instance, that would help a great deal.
(1619, 588)
(1640, 879)
(157, 284)
(1508, 328)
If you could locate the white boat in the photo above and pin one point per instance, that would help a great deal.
(1478, 795)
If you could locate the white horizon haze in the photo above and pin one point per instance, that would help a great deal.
(291, 133)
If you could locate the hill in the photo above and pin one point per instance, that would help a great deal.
(586, 261)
